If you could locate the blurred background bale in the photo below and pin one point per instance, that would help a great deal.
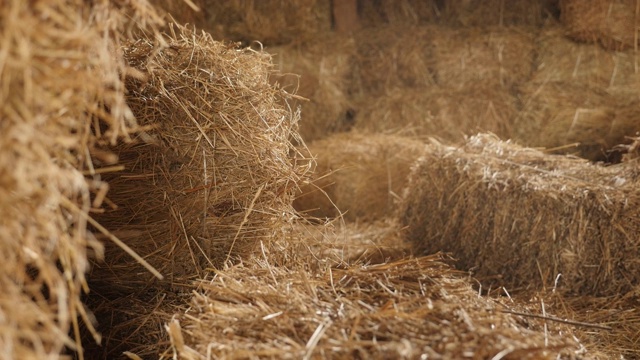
(190, 12)
(519, 218)
(319, 72)
(397, 12)
(271, 22)
(443, 113)
(357, 174)
(497, 12)
(611, 23)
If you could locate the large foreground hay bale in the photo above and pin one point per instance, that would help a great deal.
(442, 113)
(358, 174)
(272, 22)
(390, 57)
(211, 177)
(318, 71)
(521, 218)
(491, 56)
(497, 12)
(61, 93)
(405, 309)
(612, 23)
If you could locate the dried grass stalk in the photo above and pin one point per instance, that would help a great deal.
(403, 309)
(398, 12)
(319, 71)
(612, 23)
(390, 57)
(61, 93)
(497, 12)
(491, 56)
(272, 22)
(358, 174)
(443, 113)
(518, 217)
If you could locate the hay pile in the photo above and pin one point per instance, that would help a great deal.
(520, 218)
(318, 71)
(62, 93)
(272, 22)
(360, 174)
(497, 56)
(612, 23)
(442, 113)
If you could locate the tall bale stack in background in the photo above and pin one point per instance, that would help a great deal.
(211, 176)
(62, 92)
(398, 12)
(319, 72)
(271, 22)
(521, 218)
(611, 23)
(442, 113)
(465, 56)
(497, 12)
(359, 174)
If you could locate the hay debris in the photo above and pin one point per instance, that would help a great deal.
(611, 23)
(497, 12)
(442, 113)
(466, 56)
(518, 217)
(271, 22)
(62, 93)
(357, 174)
(319, 72)
(390, 57)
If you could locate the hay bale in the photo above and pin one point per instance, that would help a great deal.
(358, 174)
(61, 94)
(409, 308)
(319, 72)
(560, 59)
(442, 113)
(211, 177)
(518, 217)
(611, 23)
(390, 57)
(272, 22)
(398, 12)
(467, 56)
(497, 12)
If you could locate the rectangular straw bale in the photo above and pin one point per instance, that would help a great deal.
(497, 56)
(611, 23)
(497, 12)
(61, 94)
(319, 71)
(561, 59)
(392, 56)
(398, 12)
(519, 218)
(211, 177)
(357, 174)
(271, 22)
(443, 113)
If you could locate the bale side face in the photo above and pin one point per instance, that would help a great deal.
(519, 218)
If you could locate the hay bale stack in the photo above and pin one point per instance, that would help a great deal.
(318, 71)
(405, 309)
(211, 177)
(442, 113)
(61, 94)
(390, 57)
(611, 23)
(492, 56)
(519, 218)
(359, 174)
(272, 22)
(563, 60)
(398, 12)
(497, 12)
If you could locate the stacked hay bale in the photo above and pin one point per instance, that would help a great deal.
(358, 175)
(497, 12)
(62, 93)
(521, 218)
